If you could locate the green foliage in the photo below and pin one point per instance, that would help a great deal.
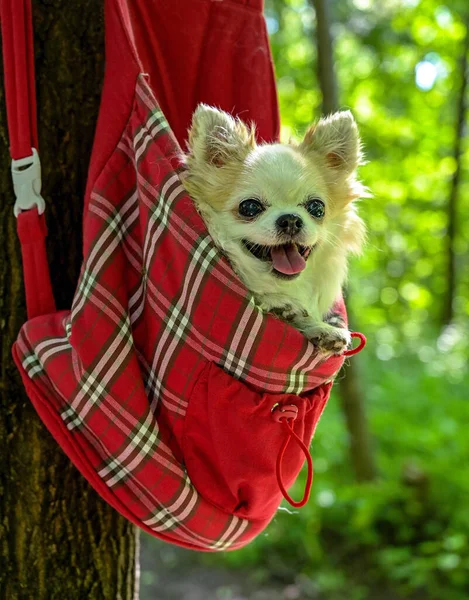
(408, 135)
(407, 532)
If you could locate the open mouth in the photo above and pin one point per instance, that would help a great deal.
(288, 260)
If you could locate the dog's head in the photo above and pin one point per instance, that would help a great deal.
(274, 202)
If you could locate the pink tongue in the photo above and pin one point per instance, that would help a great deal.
(287, 259)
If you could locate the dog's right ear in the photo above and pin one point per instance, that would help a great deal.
(215, 137)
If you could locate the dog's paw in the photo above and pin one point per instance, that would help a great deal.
(335, 319)
(288, 313)
(329, 339)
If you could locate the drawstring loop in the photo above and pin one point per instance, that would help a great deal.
(359, 348)
(285, 415)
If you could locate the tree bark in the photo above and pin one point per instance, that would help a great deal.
(58, 539)
(448, 301)
(325, 64)
(350, 387)
(353, 402)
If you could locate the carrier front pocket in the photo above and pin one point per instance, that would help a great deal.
(233, 437)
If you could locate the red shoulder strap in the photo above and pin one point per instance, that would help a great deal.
(18, 65)
(20, 91)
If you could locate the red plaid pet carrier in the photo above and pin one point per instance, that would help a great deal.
(170, 391)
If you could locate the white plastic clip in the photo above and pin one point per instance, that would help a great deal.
(26, 174)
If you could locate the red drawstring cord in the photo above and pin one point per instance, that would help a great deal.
(286, 415)
(359, 348)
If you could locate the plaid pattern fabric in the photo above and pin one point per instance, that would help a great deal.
(156, 304)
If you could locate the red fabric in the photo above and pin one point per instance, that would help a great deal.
(20, 91)
(18, 69)
(32, 232)
(212, 51)
(160, 382)
(242, 482)
(155, 310)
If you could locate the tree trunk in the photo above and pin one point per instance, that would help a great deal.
(448, 301)
(58, 539)
(353, 402)
(351, 390)
(326, 70)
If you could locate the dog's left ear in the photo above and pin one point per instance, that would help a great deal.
(217, 138)
(336, 139)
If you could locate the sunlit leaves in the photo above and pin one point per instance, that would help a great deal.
(397, 66)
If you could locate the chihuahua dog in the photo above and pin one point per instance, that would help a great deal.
(283, 214)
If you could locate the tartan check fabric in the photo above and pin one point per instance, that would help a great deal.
(140, 381)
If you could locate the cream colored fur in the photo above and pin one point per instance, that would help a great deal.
(226, 166)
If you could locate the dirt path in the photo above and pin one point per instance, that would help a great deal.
(171, 573)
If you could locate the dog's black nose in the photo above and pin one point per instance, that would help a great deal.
(290, 224)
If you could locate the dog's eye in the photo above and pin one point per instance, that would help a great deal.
(250, 208)
(315, 207)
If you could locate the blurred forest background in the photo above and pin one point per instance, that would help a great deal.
(389, 513)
